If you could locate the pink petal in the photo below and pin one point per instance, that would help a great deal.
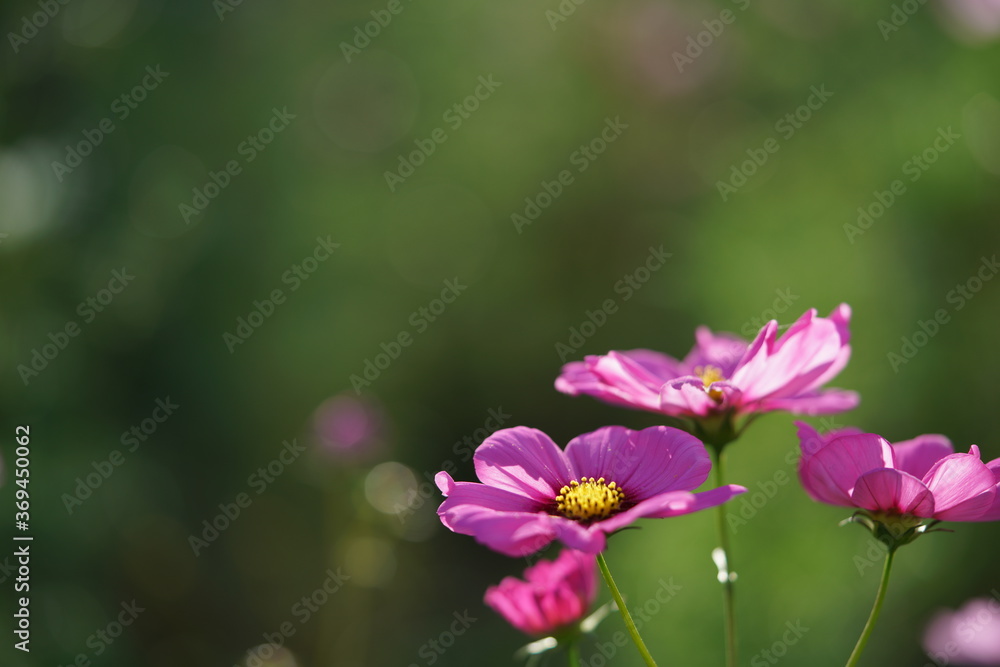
(630, 378)
(831, 473)
(484, 496)
(963, 487)
(721, 350)
(811, 440)
(918, 455)
(754, 361)
(993, 512)
(642, 463)
(658, 367)
(889, 490)
(672, 503)
(511, 533)
(577, 378)
(515, 602)
(687, 397)
(605, 453)
(810, 352)
(813, 403)
(588, 539)
(522, 460)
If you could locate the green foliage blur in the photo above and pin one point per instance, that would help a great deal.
(462, 141)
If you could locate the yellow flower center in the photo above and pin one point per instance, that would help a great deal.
(589, 499)
(709, 375)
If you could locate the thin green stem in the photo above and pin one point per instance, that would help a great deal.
(574, 653)
(629, 623)
(870, 625)
(725, 565)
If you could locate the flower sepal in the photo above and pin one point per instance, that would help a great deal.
(716, 431)
(893, 530)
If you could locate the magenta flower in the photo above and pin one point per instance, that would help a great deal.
(899, 484)
(533, 492)
(969, 636)
(723, 375)
(553, 596)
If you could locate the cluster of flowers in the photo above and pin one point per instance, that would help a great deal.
(531, 492)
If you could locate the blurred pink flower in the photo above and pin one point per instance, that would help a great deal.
(723, 375)
(349, 427)
(917, 479)
(553, 595)
(533, 492)
(974, 20)
(969, 636)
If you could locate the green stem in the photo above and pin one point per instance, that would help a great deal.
(870, 625)
(574, 653)
(726, 574)
(629, 623)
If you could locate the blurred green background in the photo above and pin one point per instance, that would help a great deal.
(308, 117)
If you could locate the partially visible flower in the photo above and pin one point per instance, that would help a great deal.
(974, 20)
(898, 486)
(349, 427)
(533, 492)
(724, 375)
(968, 636)
(553, 596)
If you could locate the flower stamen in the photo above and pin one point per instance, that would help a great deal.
(710, 375)
(589, 499)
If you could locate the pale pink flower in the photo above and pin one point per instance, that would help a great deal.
(726, 376)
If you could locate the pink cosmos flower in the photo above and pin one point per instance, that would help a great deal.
(554, 595)
(724, 374)
(533, 492)
(917, 479)
(969, 636)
